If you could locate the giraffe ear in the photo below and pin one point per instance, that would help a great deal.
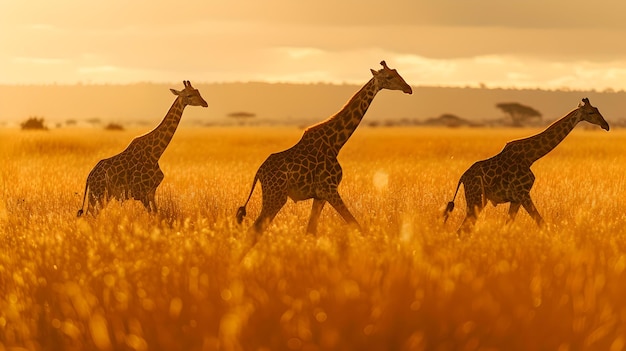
(374, 73)
(175, 92)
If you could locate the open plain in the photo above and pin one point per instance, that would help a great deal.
(181, 279)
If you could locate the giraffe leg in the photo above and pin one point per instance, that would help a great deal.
(513, 211)
(529, 206)
(475, 204)
(158, 178)
(468, 223)
(337, 203)
(94, 206)
(152, 206)
(148, 201)
(318, 205)
(97, 200)
(272, 203)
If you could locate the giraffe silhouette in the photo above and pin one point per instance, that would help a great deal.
(135, 173)
(506, 177)
(310, 169)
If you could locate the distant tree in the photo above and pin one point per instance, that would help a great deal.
(114, 126)
(241, 115)
(94, 120)
(34, 123)
(520, 114)
(71, 122)
(449, 120)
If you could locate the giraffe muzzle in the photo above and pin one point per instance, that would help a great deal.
(605, 126)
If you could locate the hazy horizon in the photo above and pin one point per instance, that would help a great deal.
(281, 103)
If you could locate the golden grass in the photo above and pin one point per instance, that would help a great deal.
(128, 280)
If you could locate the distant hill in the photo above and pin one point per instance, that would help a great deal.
(284, 104)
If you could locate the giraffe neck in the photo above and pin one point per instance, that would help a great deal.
(539, 145)
(339, 127)
(160, 137)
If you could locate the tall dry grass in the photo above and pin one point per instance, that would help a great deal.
(129, 280)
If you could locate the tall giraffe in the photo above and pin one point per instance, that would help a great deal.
(135, 173)
(506, 177)
(310, 169)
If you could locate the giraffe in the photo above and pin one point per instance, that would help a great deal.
(310, 169)
(135, 173)
(506, 177)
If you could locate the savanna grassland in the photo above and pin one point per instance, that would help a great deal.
(181, 280)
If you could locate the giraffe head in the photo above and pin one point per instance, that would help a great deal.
(190, 95)
(388, 78)
(591, 114)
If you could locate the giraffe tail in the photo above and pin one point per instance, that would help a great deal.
(241, 211)
(450, 205)
(80, 212)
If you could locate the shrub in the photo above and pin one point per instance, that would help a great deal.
(114, 126)
(34, 123)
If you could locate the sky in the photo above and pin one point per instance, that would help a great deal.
(547, 44)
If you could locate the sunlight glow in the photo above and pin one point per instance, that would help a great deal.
(39, 60)
(380, 180)
(98, 69)
(300, 52)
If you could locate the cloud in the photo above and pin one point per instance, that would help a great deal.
(514, 71)
(446, 42)
(300, 52)
(426, 69)
(376, 14)
(311, 64)
(39, 60)
(41, 27)
(98, 69)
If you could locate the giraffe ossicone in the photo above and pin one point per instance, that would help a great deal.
(310, 169)
(506, 177)
(135, 173)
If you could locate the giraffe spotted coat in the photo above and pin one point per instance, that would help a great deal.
(135, 173)
(310, 168)
(506, 177)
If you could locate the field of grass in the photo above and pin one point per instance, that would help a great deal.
(179, 279)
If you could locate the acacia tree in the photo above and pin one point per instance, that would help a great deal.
(241, 116)
(520, 114)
